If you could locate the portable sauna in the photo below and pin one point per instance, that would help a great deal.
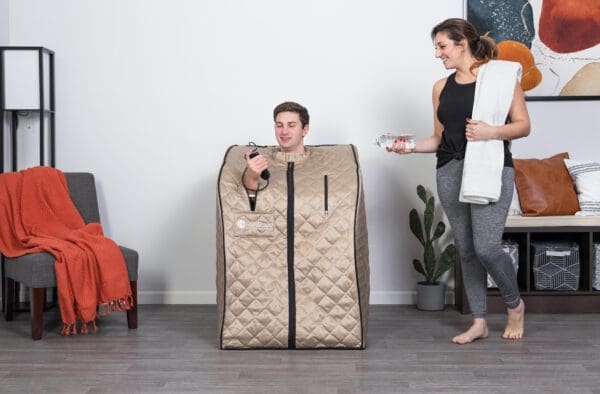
(293, 272)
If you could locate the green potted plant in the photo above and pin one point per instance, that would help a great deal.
(430, 292)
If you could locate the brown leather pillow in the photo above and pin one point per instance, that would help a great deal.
(545, 186)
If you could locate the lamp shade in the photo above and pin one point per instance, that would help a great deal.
(25, 78)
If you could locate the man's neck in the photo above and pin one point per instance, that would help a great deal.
(299, 150)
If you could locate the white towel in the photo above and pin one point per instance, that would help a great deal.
(484, 160)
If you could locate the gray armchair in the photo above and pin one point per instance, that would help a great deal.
(37, 270)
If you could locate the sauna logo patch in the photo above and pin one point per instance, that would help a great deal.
(256, 225)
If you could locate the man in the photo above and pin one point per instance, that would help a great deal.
(291, 126)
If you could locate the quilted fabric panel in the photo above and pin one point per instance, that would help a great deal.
(220, 272)
(255, 298)
(362, 261)
(327, 308)
(254, 261)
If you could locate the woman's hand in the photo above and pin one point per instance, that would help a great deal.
(401, 146)
(478, 130)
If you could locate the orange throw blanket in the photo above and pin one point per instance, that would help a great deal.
(37, 215)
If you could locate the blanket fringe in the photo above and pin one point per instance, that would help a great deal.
(84, 327)
(106, 308)
(68, 329)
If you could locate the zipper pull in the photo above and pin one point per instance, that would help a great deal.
(325, 196)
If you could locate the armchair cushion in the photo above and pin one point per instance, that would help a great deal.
(36, 270)
(33, 270)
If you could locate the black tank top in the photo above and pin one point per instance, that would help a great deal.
(456, 105)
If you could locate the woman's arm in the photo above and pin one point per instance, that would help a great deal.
(517, 128)
(429, 144)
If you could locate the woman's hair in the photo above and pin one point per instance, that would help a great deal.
(483, 47)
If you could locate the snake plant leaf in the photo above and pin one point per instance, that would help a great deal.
(447, 259)
(429, 261)
(439, 231)
(415, 225)
(428, 267)
(418, 267)
(428, 217)
(422, 193)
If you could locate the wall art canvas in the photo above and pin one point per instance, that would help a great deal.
(556, 41)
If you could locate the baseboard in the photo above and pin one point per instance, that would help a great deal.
(177, 297)
(401, 297)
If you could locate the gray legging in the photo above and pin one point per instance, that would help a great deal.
(478, 234)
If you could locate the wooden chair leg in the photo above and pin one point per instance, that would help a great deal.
(38, 299)
(9, 299)
(132, 317)
(17, 301)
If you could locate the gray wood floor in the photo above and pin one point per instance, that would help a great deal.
(174, 350)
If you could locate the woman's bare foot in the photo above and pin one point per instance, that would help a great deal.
(478, 330)
(515, 322)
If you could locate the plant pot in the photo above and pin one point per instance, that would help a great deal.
(431, 297)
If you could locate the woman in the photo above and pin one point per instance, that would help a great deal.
(477, 228)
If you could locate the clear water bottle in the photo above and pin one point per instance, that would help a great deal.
(387, 140)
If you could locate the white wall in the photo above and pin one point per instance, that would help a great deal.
(151, 93)
(3, 22)
(562, 126)
(3, 42)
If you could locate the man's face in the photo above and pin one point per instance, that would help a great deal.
(289, 132)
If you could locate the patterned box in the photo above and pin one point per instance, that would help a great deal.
(512, 249)
(596, 266)
(555, 265)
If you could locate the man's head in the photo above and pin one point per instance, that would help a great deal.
(291, 125)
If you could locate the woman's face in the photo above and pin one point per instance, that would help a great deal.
(452, 54)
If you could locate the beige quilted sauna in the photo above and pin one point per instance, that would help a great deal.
(293, 273)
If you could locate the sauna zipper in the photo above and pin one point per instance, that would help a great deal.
(290, 255)
(325, 197)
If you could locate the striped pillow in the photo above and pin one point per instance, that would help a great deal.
(586, 176)
(515, 205)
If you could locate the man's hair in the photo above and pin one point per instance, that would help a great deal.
(290, 106)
